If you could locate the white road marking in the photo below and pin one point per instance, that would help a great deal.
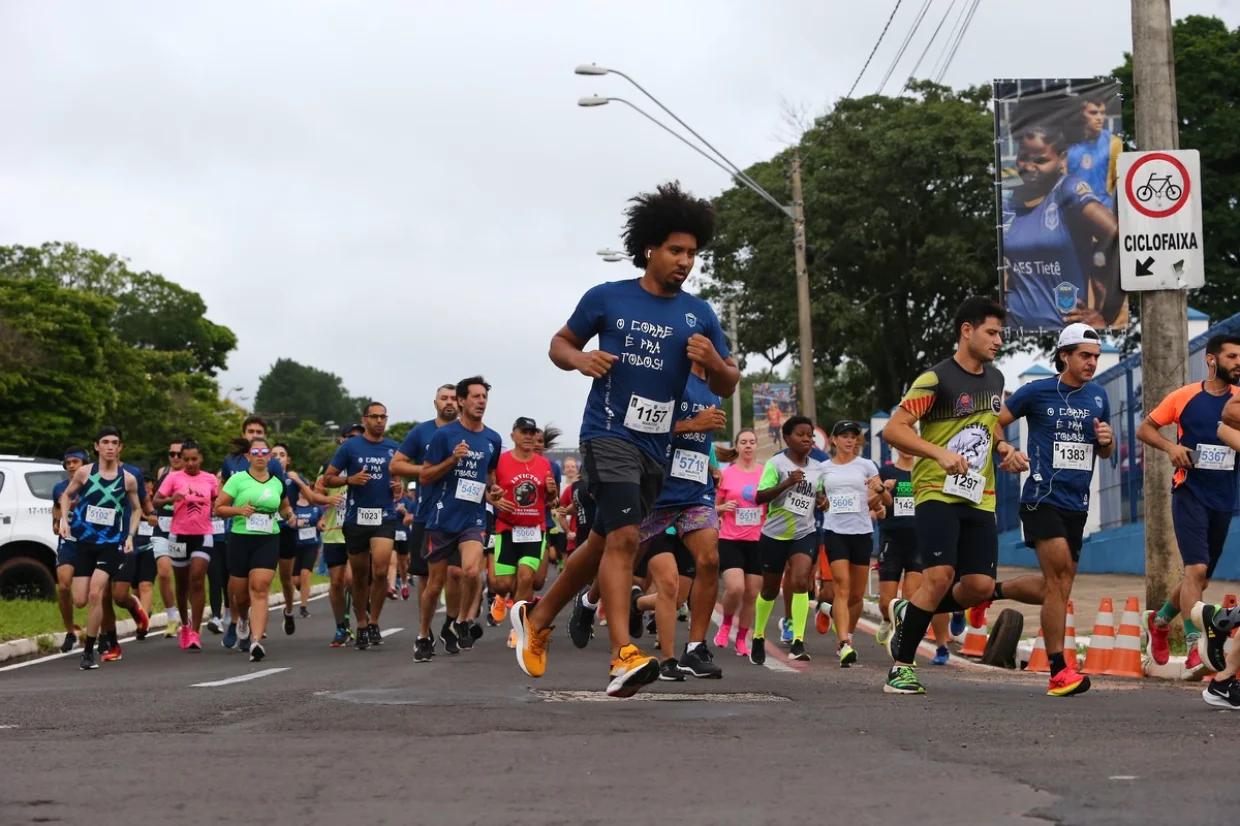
(387, 632)
(689, 697)
(1123, 777)
(240, 678)
(4, 727)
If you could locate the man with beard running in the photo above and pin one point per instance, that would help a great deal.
(1203, 492)
(362, 463)
(409, 462)
(458, 479)
(650, 334)
(957, 403)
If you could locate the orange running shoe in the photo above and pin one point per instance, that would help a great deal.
(531, 644)
(630, 671)
(822, 621)
(499, 609)
(113, 654)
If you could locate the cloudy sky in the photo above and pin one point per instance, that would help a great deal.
(405, 193)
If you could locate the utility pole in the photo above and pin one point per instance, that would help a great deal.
(809, 406)
(737, 421)
(1164, 313)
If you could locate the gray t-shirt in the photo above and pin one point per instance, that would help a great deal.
(848, 511)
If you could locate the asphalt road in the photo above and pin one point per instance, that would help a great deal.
(367, 737)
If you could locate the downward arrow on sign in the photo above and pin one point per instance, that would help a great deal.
(1143, 267)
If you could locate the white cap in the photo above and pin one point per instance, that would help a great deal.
(1077, 333)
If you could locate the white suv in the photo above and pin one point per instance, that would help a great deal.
(27, 543)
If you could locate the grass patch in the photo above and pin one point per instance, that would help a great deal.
(22, 618)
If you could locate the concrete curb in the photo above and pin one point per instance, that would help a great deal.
(124, 628)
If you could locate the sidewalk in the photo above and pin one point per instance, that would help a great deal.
(1088, 592)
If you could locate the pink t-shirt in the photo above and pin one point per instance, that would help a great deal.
(192, 515)
(745, 523)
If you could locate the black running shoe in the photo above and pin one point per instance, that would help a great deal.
(757, 650)
(669, 671)
(464, 640)
(797, 652)
(363, 639)
(1218, 693)
(423, 650)
(88, 662)
(635, 616)
(448, 637)
(652, 625)
(475, 630)
(290, 624)
(305, 612)
(581, 622)
(257, 652)
(70, 641)
(376, 637)
(700, 663)
(1210, 643)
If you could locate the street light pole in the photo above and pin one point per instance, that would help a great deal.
(796, 213)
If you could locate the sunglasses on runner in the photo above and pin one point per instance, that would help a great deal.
(260, 451)
(174, 454)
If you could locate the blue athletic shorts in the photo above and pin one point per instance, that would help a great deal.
(1199, 531)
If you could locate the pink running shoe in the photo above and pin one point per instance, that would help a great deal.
(183, 637)
(1160, 649)
(723, 637)
(742, 646)
(195, 644)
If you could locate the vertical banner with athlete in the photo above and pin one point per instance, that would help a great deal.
(1057, 143)
(772, 404)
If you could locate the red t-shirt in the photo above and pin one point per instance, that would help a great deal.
(566, 501)
(525, 485)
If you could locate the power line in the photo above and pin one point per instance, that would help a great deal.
(925, 7)
(951, 38)
(875, 49)
(959, 40)
(913, 74)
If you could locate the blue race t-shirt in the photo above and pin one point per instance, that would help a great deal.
(1196, 412)
(1091, 162)
(458, 500)
(308, 534)
(1061, 443)
(688, 481)
(1040, 251)
(557, 470)
(371, 503)
(57, 492)
(415, 445)
(649, 334)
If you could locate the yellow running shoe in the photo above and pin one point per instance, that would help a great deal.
(170, 630)
(630, 671)
(532, 645)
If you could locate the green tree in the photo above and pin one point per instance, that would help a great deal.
(148, 311)
(291, 392)
(1207, 83)
(399, 430)
(310, 445)
(899, 203)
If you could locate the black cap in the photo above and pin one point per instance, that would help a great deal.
(525, 423)
(845, 426)
(351, 427)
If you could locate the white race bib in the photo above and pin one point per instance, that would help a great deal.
(748, 517)
(903, 505)
(491, 541)
(100, 516)
(145, 529)
(648, 416)
(469, 490)
(369, 517)
(217, 526)
(401, 536)
(306, 534)
(1215, 457)
(1073, 456)
(969, 486)
(177, 550)
(844, 503)
(165, 523)
(800, 498)
(689, 464)
(527, 533)
(258, 523)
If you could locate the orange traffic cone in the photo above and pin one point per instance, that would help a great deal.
(1126, 658)
(1102, 642)
(1069, 638)
(1037, 660)
(975, 637)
